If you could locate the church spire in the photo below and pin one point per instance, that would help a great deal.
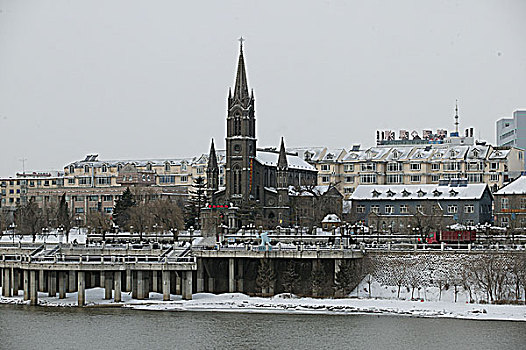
(241, 87)
(212, 159)
(282, 159)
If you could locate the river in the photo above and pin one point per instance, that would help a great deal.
(23, 327)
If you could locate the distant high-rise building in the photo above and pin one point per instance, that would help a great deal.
(512, 131)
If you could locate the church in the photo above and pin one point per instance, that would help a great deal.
(262, 186)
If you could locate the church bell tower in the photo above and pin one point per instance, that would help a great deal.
(240, 137)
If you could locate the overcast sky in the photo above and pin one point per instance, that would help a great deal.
(149, 79)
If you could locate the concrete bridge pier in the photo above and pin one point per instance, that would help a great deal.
(155, 281)
(6, 286)
(143, 291)
(200, 285)
(178, 283)
(128, 286)
(26, 285)
(42, 281)
(72, 281)
(52, 283)
(81, 286)
(102, 279)
(187, 285)
(107, 284)
(231, 275)
(117, 286)
(92, 279)
(240, 276)
(166, 285)
(33, 290)
(62, 284)
(337, 265)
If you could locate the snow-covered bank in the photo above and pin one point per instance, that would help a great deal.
(285, 303)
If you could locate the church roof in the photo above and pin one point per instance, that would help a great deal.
(294, 162)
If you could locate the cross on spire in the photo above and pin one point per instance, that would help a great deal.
(241, 42)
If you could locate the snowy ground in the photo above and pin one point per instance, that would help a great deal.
(285, 303)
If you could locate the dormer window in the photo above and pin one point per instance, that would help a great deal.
(119, 167)
(86, 168)
(104, 168)
(475, 153)
(396, 155)
(437, 193)
(149, 167)
(71, 169)
(421, 193)
(376, 193)
(167, 166)
(406, 193)
(453, 193)
(390, 193)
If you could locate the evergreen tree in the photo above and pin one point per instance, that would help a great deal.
(290, 277)
(318, 279)
(345, 277)
(266, 276)
(64, 218)
(121, 215)
(196, 202)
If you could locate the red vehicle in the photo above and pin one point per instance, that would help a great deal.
(455, 236)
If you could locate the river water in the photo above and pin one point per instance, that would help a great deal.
(24, 327)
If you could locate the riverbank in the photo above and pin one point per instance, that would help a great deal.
(286, 303)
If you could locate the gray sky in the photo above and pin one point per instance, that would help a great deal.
(149, 79)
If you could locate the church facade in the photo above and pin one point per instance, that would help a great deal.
(262, 186)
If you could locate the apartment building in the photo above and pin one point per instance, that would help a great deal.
(510, 204)
(512, 131)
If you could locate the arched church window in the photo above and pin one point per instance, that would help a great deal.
(237, 179)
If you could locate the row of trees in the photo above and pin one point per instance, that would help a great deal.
(492, 278)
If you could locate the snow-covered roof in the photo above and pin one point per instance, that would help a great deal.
(331, 218)
(311, 153)
(499, 154)
(294, 162)
(518, 186)
(418, 192)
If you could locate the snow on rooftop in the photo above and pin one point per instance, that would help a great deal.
(294, 162)
(418, 192)
(518, 186)
(331, 218)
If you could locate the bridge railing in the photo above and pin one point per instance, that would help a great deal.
(96, 259)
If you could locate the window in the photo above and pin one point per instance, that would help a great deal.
(470, 223)
(403, 209)
(200, 170)
(71, 169)
(389, 209)
(368, 179)
(86, 168)
(167, 179)
(474, 178)
(183, 167)
(93, 198)
(31, 183)
(104, 168)
(360, 209)
(348, 168)
(435, 166)
(452, 166)
(394, 179)
(394, 167)
(71, 181)
(104, 181)
(452, 209)
(107, 198)
(325, 167)
(325, 178)
(469, 208)
(494, 166)
(504, 203)
(415, 166)
(475, 166)
(375, 208)
(505, 222)
(523, 203)
(11, 191)
(108, 210)
(18, 190)
(494, 177)
(166, 166)
(368, 167)
(79, 210)
(349, 179)
(435, 178)
(415, 178)
(78, 198)
(184, 178)
(84, 180)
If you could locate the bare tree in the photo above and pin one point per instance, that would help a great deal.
(167, 214)
(141, 218)
(98, 222)
(29, 219)
(414, 278)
